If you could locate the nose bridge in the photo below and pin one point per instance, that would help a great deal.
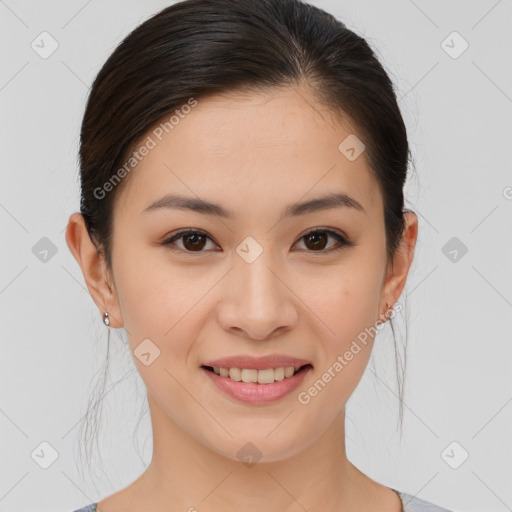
(258, 285)
(259, 303)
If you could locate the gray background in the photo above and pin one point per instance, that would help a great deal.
(459, 384)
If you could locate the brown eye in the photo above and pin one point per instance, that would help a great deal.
(192, 240)
(317, 240)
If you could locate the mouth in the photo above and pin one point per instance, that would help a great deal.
(258, 376)
(257, 387)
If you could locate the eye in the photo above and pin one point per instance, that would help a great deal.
(195, 240)
(316, 239)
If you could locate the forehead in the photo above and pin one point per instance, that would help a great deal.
(235, 148)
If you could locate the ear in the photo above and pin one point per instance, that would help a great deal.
(92, 262)
(398, 269)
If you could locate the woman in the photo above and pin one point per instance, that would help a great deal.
(242, 170)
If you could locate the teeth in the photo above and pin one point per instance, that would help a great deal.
(267, 376)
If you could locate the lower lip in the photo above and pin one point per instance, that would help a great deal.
(254, 393)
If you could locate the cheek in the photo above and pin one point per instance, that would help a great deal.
(156, 297)
(345, 300)
(160, 316)
(164, 308)
(344, 329)
(344, 307)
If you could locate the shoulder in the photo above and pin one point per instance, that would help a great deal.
(88, 508)
(414, 504)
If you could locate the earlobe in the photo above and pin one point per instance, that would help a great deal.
(385, 314)
(94, 268)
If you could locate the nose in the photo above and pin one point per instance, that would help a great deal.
(258, 302)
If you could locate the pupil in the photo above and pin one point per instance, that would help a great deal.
(194, 243)
(315, 237)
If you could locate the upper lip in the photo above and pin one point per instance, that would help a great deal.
(256, 363)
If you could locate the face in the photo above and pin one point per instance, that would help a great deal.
(255, 282)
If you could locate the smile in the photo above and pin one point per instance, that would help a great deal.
(254, 386)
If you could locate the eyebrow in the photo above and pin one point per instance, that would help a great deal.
(198, 205)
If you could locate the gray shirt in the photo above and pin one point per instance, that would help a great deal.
(410, 504)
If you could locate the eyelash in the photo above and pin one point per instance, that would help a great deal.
(342, 241)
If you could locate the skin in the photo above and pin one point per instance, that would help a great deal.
(254, 153)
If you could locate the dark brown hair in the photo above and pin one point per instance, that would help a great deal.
(196, 48)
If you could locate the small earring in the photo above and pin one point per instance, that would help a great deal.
(106, 320)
